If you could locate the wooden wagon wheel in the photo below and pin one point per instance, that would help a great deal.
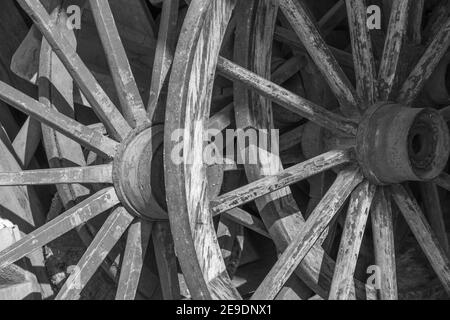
(128, 151)
(379, 144)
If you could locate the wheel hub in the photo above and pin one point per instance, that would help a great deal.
(396, 144)
(137, 175)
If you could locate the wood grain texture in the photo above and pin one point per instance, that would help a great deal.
(133, 260)
(396, 33)
(93, 174)
(285, 98)
(166, 261)
(79, 214)
(110, 233)
(105, 109)
(277, 181)
(89, 138)
(309, 35)
(424, 234)
(384, 246)
(190, 90)
(345, 183)
(165, 51)
(354, 229)
(435, 51)
(120, 69)
(362, 52)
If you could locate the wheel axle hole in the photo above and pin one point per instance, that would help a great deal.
(418, 144)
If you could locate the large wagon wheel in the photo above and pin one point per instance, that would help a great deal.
(128, 153)
(379, 144)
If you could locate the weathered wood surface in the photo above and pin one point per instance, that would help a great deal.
(165, 51)
(384, 246)
(89, 138)
(110, 233)
(166, 261)
(79, 214)
(194, 235)
(120, 69)
(424, 68)
(309, 35)
(277, 181)
(133, 260)
(396, 34)
(443, 181)
(346, 182)
(354, 229)
(362, 52)
(424, 234)
(101, 103)
(93, 174)
(285, 98)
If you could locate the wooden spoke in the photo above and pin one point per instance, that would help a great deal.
(288, 69)
(433, 211)
(89, 138)
(247, 220)
(396, 33)
(290, 101)
(426, 65)
(309, 35)
(415, 21)
(122, 75)
(351, 240)
(133, 259)
(291, 138)
(76, 216)
(165, 51)
(383, 240)
(289, 37)
(443, 181)
(111, 231)
(333, 18)
(347, 180)
(424, 234)
(276, 182)
(166, 261)
(362, 51)
(94, 174)
(105, 109)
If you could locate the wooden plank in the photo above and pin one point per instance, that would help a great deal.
(309, 35)
(89, 138)
(395, 37)
(384, 247)
(93, 174)
(79, 214)
(362, 52)
(165, 51)
(105, 109)
(425, 67)
(166, 261)
(310, 232)
(278, 181)
(122, 75)
(110, 233)
(285, 98)
(424, 234)
(133, 259)
(415, 21)
(354, 229)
